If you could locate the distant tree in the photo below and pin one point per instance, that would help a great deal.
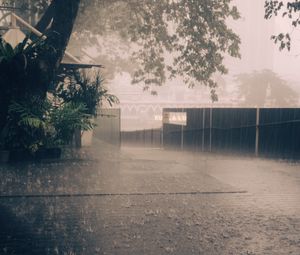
(289, 10)
(265, 88)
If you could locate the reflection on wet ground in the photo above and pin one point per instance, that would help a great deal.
(150, 201)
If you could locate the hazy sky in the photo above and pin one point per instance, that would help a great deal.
(254, 28)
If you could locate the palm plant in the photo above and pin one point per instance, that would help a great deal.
(28, 124)
(84, 88)
(18, 69)
(67, 118)
(28, 120)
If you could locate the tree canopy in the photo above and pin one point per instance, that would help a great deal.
(172, 38)
(194, 33)
(287, 10)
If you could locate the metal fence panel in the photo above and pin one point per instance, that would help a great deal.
(279, 132)
(233, 130)
(147, 138)
(272, 132)
(108, 126)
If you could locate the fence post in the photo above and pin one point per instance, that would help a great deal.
(203, 128)
(181, 142)
(119, 124)
(210, 130)
(151, 137)
(161, 138)
(257, 133)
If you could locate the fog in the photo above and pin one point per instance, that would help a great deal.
(269, 68)
(217, 178)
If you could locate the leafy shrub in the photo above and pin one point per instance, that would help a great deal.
(35, 123)
(85, 88)
(28, 124)
(67, 118)
(31, 121)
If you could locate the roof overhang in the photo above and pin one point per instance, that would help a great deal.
(76, 65)
(14, 36)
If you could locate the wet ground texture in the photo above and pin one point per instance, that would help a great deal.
(150, 201)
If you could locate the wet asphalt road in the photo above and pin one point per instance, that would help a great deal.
(150, 201)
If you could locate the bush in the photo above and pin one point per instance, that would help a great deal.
(85, 88)
(67, 118)
(28, 124)
(34, 123)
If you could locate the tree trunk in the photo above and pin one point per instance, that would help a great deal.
(61, 24)
(58, 22)
(46, 19)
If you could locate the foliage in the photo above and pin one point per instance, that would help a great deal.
(194, 33)
(27, 119)
(69, 117)
(15, 56)
(287, 10)
(28, 124)
(265, 88)
(35, 123)
(19, 67)
(33, 70)
(30, 6)
(29, 50)
(84, 88)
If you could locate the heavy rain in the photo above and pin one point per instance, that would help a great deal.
(149, 127)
